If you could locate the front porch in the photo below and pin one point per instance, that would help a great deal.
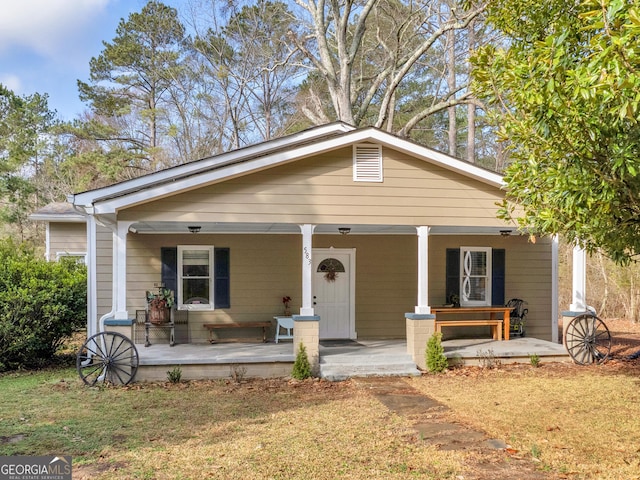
(338, 360)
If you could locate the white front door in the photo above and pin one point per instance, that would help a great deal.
(333, 291)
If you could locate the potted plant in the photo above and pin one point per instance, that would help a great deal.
(287, 309)
(160, 304)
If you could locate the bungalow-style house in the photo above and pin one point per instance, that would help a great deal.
(364, 231)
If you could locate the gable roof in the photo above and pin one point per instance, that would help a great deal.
(261, 156)
(58, 212)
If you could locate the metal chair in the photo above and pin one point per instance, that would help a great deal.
(518, 316)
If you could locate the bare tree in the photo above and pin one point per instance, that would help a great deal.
(366, 51)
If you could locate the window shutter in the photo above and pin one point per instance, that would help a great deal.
(367, 163)
(222, 288)
(453, 273)
(498, 264)
(169, 272)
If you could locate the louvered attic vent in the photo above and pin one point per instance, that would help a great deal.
(367, 163)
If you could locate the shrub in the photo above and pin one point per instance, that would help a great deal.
(534, 358)
(175, 375)
(301, 367)
(41, 303)
(435, 358)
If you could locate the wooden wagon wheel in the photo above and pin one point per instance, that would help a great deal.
(588, 340)
(107, 357)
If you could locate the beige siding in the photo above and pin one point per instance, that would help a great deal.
(67, 238)
(321, 190)
(263, 270)
(528, 274)
(386, 276)
(104, 269)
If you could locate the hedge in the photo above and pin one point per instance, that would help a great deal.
(41, 304)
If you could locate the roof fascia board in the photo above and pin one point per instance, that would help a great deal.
(225, 172)
(111, 205)
(44, 217)
(88, 198)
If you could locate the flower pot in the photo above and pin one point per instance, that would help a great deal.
(159, 315)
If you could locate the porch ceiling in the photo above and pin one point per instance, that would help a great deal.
(321, 229)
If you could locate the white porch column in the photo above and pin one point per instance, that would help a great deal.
(554, 289)
(307, 269)
(578, 299)
(120, 269)
(92, 279)
(423, 270)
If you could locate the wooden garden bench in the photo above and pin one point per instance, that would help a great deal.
(218, 326)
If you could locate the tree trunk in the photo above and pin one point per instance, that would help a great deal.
(451, 84)
(471, 108)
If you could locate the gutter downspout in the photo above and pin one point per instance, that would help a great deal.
(94, 327)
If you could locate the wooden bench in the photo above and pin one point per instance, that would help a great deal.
(498, 317)
(217, 326)
(496, 325)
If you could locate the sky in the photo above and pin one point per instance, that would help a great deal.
(46, 45)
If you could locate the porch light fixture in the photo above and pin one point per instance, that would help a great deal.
(194, 228)
(344, 230)
(505, 233)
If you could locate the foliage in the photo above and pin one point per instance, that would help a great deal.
(301, 366)
(163, 298)
(534, 359)
(25, 123)
(41, 303)
(134, 75)
(174, 375)
(434, 355)
(568, 83)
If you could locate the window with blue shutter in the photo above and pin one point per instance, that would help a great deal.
(453, 275)
(222, 290)
(498, 276)
(453, 279)
(221, 279)
(169, 274)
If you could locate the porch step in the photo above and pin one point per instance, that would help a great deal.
(338, 368)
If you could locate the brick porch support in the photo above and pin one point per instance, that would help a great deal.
(420, 327)
(306, 331)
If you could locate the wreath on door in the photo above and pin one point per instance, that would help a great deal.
(331, 267)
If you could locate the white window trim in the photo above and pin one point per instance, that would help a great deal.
(198, 306)
(367, 168)
(476, 303)
(83, 255)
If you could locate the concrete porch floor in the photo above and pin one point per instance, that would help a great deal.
(339, 360)
(516, 350)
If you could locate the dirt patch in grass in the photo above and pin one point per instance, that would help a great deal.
(572, 421)
(625, 337)
(558, 421)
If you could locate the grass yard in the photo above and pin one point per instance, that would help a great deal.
(253, 430)
(570, 422)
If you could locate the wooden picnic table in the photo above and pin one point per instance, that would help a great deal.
(497, 314)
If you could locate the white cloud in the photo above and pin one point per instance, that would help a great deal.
(12, 82)
(47, 27)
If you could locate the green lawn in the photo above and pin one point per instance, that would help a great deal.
(576, 422)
